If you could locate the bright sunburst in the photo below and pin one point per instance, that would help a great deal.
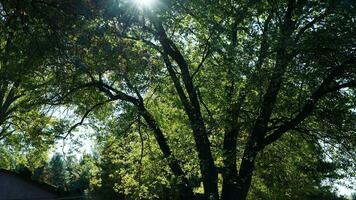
(145, 3)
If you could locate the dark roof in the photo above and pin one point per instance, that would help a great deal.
(50, 188)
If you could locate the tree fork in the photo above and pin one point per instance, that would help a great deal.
(192, 109)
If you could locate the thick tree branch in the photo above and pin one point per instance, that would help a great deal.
(177, 84)
(132, 87)
(173, 163)
(326, 86)
(310, 25)
(115, 94)
(3, 132)
(147, 42)
(197, 123)
(255, 138)
(7, 106)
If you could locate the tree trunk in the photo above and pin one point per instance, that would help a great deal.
(206, 162)
(192, 109)
(230, 152)
(246, 171)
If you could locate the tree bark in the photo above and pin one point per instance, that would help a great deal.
(256, 137)
(229, 189)
(232, 129)
(246, 170)
(192, 108)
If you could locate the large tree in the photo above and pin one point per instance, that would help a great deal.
(244, 74)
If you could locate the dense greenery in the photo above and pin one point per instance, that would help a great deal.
(186, 99)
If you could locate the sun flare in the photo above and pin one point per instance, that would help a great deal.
(145, 3)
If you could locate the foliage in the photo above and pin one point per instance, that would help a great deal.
(198, 98)
(300, 175)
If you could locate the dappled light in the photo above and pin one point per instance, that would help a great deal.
(145, 3)
(177, 100)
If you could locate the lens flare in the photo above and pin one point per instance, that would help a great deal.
(145, 3)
